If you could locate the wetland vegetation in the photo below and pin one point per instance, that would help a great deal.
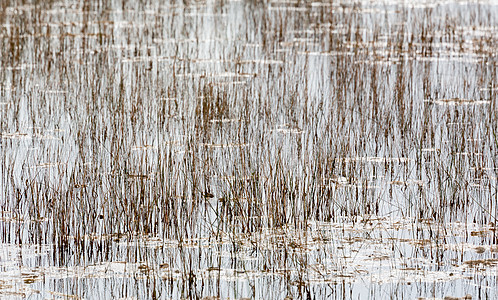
(275, 149)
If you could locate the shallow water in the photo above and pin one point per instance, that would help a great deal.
(371, 257)
(248, 149)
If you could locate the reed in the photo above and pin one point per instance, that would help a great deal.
(213, 148)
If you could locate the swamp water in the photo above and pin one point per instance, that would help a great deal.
(248, 149)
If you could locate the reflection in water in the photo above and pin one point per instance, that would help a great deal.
(371, 252)
(267, 150)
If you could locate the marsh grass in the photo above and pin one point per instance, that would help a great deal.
(209, 149)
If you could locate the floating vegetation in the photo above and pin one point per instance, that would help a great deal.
(26, 136)
(288, 128)
(375, 159)
(142, 148)
(356, 252)
(48, 165)
(458, 101)
(225, 121)
(229, 145)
